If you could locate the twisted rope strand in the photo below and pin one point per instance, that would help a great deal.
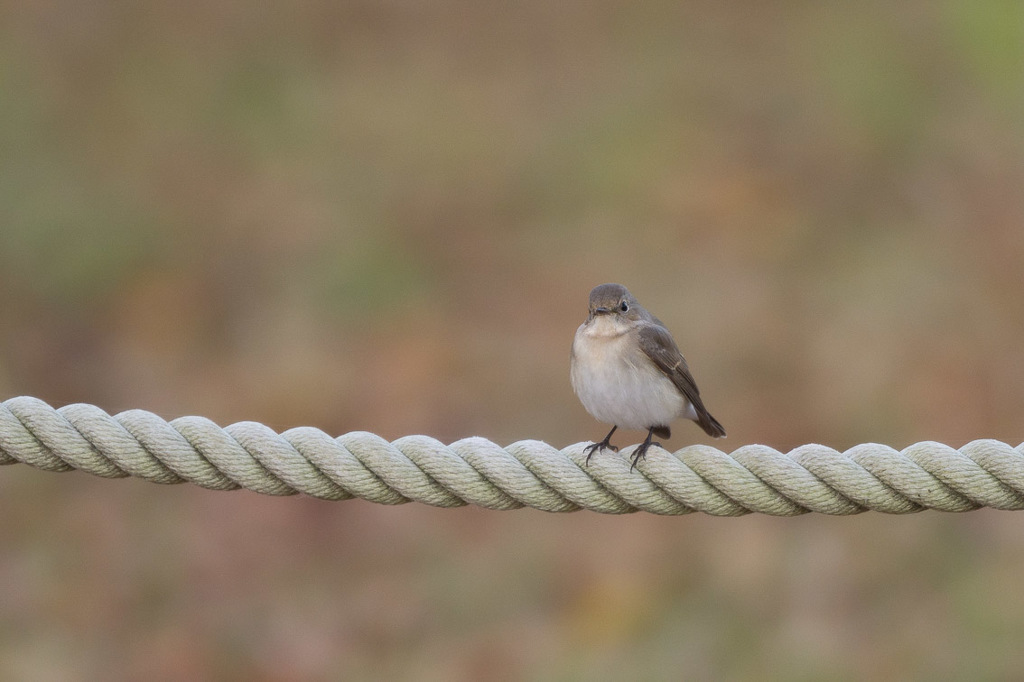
(529, 473)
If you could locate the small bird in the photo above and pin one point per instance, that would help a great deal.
(627, 371)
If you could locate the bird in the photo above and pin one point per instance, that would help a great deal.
(627, 370)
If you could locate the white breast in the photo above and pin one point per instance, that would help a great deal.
(616, 381)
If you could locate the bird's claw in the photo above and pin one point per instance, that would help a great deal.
(597, 447)
(601, 445)
(641, 452)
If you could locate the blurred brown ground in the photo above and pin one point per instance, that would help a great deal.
(387, 217)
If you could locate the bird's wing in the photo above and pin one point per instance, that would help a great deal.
(661, 348)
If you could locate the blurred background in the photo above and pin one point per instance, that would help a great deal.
(388, 216)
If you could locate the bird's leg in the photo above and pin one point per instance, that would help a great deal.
(597, 447)
(641, 451)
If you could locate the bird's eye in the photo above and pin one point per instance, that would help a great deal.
(623, 306)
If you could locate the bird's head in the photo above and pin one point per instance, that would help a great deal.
(616, 301)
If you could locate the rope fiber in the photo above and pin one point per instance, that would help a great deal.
(528, 473)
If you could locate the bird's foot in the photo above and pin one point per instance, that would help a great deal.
(641, 450)
(641, 453)
(599, 446)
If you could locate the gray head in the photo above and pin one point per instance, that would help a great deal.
(615, 300)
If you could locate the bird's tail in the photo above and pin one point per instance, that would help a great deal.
(709, 423)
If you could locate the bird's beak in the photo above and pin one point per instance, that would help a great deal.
(602, 311)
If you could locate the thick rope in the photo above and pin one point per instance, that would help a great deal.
(529, 473)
